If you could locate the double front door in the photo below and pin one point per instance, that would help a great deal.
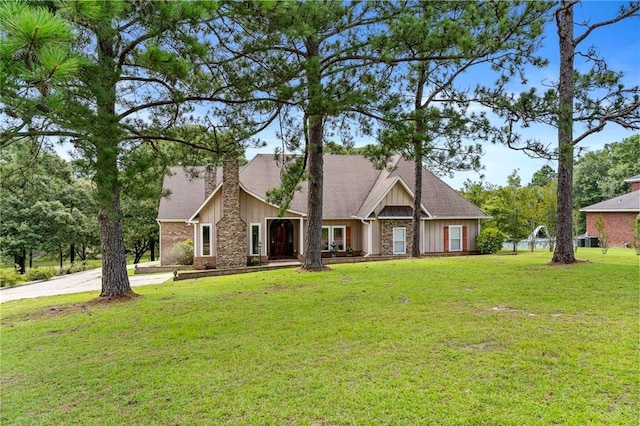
(281, 238)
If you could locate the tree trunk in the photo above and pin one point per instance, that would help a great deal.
(152, 248)
(115, 282)
(312, 249)
(418, 148)
(417, 199)
(564, 234)
(72, 254)
(61, 255)
(19, 261)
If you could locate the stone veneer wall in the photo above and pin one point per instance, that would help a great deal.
(231, 230)
(206, 262)
(173, 233)
(387, 234)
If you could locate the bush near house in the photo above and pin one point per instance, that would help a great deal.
(181, 253)
(489, 241)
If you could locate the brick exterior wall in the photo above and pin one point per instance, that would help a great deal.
(635, 186)
(231, 230)
(386, 237)
(617, 225)
(172, 233)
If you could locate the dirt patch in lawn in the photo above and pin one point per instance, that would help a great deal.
(59, 310)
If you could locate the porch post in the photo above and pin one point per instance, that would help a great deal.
(265, 237)
(196, 251)
(301, 242)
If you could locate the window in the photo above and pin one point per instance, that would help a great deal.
(331, 235)
(206, 249)
(324, 238)
(254, 239)
(455, 238)
(338, 237)
(399, 241)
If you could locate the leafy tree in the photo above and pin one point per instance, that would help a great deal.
(636, 234)
(603, 235)
(510, 208)
(53, 224)
(17, 237)
(34, 184)
(477, 192)
(108, 76)
(592, 99)
(436, 44)
(543, 176)
(331, 147)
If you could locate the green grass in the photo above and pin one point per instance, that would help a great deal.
(501, 340)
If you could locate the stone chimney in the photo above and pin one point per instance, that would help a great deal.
(210, 182)
(231, 230)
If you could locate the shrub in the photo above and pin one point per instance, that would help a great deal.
(603, 235)
(39, 274)
(181, 253)
(9, 277)
(636, 235)
(489, 241)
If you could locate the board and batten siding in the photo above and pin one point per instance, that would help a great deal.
(398, 196)
(354, 236)
(434, 234)
(253, 210)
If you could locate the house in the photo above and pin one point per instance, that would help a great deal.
(365, 210)
(618, 215)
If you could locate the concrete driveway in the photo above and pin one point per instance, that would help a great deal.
(74, 283)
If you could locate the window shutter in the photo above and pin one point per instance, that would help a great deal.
(464, 238)
(446, 238)
(348, 237)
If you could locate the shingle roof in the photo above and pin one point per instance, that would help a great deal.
(440, 200)
(352, 187)
(185, 188)
(635, 178)
(629, 202)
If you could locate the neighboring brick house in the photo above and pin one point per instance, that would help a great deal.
(618, 215)
(365, 209)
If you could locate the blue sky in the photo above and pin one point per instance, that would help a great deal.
(618, 44)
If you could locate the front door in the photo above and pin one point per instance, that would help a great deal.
(281, 238)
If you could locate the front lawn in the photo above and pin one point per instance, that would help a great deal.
(503, 340)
